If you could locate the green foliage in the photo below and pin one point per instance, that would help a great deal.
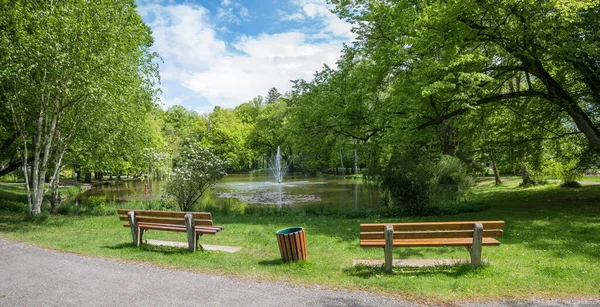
(11, 205)
(416, 184)
(95, 206)
(196, 170)
(226, 137)
(452, 181)
(96, 201)
(570, 184)
(71, 71)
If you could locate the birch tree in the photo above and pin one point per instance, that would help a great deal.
(62, 63)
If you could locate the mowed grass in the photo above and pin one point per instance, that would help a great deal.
(550, 248)
(18, 192)
(591, 178)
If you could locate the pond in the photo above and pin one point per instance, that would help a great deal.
(296, 190)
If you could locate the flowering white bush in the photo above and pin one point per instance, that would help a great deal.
(196, 170)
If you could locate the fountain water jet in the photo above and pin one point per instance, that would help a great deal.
(278, 167)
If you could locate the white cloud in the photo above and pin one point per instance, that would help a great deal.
(244, 12)
(233, 12)
(293, 16)
(183, 35)
(269, 61)
(226, 14)
(198, 66)
(320, 10)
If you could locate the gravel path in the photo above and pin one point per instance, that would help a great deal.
(32, 276)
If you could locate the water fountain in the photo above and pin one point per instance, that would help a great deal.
(278, 167)
(274, 192)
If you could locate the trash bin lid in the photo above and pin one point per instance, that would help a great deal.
(287, 231)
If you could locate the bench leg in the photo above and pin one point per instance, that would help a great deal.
(475, 249)
(389, 246)
(198, 245)
(190, 227)
(135, 230)
(141, 235)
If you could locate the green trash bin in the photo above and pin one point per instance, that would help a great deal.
(292, 244)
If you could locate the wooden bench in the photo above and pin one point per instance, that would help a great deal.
(472, 235)
(195, 224)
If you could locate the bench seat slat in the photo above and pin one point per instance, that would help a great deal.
(173, 214)
(429, 242)
(432, 226)
(490, 233)
(158, 220)
(168, 227)
(178, 229)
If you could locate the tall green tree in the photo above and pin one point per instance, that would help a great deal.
(448, 58)
(227, 136)
(62, 62)
(273, 95)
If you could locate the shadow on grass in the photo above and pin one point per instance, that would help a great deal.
(18, 222)
(302, 265)
(274, 262)
(409, 253)
(165, 250)
(119, 246)
(367, 272)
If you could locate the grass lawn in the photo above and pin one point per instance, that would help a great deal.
(550, 248)
(589, 178)
(17, 192)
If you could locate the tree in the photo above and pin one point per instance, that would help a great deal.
(62, 63)
(449, 58)
(227, 136)
(195, 170)
(273, 95)
(181, 124)
(269, 131)
(349, 107)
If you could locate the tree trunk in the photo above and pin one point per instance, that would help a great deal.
(77, 173)
(42, 144)
(448, 139)
(563, 99)
(495, 168)
(55, 198)
(341, 158)
(355, 161)
(60, 151)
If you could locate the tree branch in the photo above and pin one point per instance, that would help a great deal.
(481, 102)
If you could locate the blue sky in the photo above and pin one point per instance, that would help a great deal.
(226, 52)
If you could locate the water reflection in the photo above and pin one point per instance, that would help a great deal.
(257, 189)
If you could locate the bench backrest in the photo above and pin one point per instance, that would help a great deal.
(430, 230)
(166, 217)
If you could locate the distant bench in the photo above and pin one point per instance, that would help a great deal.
(472, 235)
(195, 224)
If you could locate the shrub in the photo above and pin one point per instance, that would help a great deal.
(452, 183)
(14, 206)
(96, 201)
(196, 170)
(64, 208)
(570, 184)
(415, 183)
